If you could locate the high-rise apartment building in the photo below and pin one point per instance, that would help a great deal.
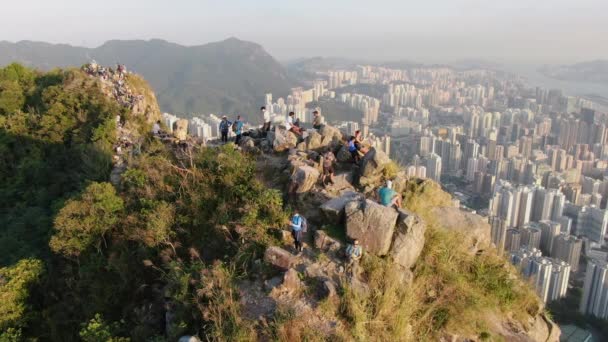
(595, 290)
(567, 248)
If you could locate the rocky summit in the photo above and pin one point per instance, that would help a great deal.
(161, 237)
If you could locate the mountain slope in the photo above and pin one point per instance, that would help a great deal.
(230, 76)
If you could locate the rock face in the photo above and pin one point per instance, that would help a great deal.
(291, 281)
(373, 224)
(279, 258)
(343, 155)
(314, 141)
(181, 129)
(372, 164)
(474, 227)
(305, 177)
(331, 136)
(326, 243)
(282, 139)
(408, 240)
(334, 208)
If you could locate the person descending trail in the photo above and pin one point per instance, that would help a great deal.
(224, 127)
(237, 128)
(388, 196)
(297, 230)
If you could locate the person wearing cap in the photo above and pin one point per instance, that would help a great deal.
(224, 127)
(388, 196)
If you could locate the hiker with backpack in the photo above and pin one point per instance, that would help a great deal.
(224, 126)
(237, 128)
(297, 230)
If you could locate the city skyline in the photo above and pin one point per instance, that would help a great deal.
(435, 31)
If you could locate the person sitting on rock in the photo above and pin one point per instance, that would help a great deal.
(359, 142)
(296, 230)
(317, 121)
(290, 126)
(353, 148)
(328, 167)
(224, 127)
(156, 128)
(388, 196)
(354, 252)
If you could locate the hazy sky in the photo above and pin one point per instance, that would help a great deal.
(423, 30)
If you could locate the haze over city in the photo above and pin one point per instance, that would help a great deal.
(557, 31)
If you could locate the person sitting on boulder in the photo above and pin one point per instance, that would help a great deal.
(290, 126)
(359, 142)
(354, 252)
(328, 167)
(317, 121)
(156, 128)
(353, 148)
(296, 230)
(224, 126)
(388, 196)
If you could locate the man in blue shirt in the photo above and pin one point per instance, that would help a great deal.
(388, 196)
(237, 128)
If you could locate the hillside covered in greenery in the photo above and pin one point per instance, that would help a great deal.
(180, 246)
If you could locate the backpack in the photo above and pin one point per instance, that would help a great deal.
(235, 126)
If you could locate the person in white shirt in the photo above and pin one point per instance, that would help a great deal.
(266, 117)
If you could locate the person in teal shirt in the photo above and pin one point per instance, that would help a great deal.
(388, 196)
(237, 128)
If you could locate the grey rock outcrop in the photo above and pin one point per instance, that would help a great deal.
(181, 129)
(408, 240)
(279, 258)
(282, 139)
(305, 177)
(373, 224)
(326, 243)
(334, 208)
(474, 227)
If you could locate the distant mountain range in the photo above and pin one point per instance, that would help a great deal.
(593, 71)
(229, 76)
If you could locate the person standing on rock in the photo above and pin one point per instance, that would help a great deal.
(388, 196)
(296, 230)
(328, 167)
(237, 128)
(354, 149)
(224, 127)
(266, 118)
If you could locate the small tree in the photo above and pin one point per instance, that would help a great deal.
(83, 221)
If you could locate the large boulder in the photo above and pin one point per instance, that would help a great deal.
(330, 136)
(334, 208)
(279, 258)
(314, 141)
(373, 224)
(282, 139)
(325, 242)
(408, 240)
(181, 129)
(474, 227)
(373, 163)
(305, 177)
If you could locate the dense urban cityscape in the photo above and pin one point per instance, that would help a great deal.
(531, 160)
